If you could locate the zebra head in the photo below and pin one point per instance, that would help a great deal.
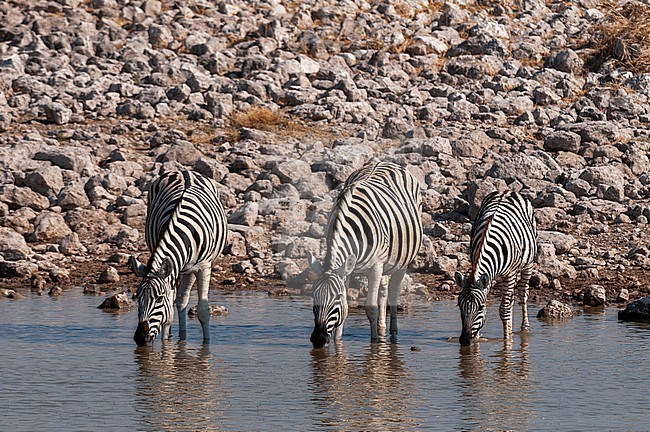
(330, 299)
(155, 303)
(471, 302)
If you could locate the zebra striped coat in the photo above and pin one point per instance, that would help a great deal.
(186, 230)
(374, 230)
(503, 246)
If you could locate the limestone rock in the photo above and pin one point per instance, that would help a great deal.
(555, 310)
(49, 227)
(215, 310)
(109, 275)
(57, 113)
(119, 301)
(245, 215)
(72, 197)
(13, 246)
(17, 197)
(71, 245)
(47, 181)
(594, 295)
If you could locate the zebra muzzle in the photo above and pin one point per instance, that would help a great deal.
(319, 338)
(142, 335)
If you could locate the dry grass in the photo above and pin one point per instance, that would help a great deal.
(623, 35)
(259, 118)
(276, 122)
(537, 63)
(405, 10)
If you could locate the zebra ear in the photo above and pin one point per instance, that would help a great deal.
(166, 267)
(483, 282)
(314, 264)
(348, 266)
(460, 280)
(136, 266)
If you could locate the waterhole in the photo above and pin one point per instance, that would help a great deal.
(68, 366)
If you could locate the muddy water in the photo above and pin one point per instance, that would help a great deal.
(69, 366)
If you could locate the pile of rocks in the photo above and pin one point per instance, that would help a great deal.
(98, 97)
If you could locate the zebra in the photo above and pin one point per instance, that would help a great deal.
(503, 246)
(375, 230)
(186, 230)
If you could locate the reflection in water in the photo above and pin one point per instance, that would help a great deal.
(70, 366)
(368, 393)
(496, 392)
(177, 388)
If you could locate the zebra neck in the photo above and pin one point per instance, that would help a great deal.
(333, 262)
(339, 249)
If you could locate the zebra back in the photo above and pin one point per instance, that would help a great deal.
(185, 220)
(503, 237)
(376, 217)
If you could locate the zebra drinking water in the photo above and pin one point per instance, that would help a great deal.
(374, 230)
(503, 245)
(186, 230)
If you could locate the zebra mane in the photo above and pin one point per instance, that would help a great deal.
(334, 223)
(344, 197)
(165, 181)
(480, 229)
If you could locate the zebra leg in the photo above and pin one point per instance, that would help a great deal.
(382, 299)
(372, 306)
(522, 288)
(338, 333)
(394, 288)
(182, 302)
(203, 308)
(507, 301)
(166, 329)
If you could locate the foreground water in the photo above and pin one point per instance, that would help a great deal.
(69, 366)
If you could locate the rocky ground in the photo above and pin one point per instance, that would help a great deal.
(279, 101)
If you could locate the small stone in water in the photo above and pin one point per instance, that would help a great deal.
(12, 294)
(215, 310)
(120, 300)
(92, 289)
(279, 292)
(638, 310)
(416, 348)
(38, 283)
(594, 295)
(555, 310)
(623, 296)
(55, 291)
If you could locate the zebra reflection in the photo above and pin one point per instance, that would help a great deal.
(369, 392)
(496, 390)
(178, 389)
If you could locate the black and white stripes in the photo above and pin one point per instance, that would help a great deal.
(186, 230)
(374, 230)
(502, 249)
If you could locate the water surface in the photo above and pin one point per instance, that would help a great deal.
(68, 366)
